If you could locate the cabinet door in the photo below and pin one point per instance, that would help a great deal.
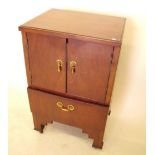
(44, 51)
(88, 69)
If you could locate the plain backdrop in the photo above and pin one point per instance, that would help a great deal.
(128, 100)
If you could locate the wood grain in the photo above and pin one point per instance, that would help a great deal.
(66, 95)
(84, 116)
(44, 51)
(70, 36)
(92, 70)
(26, 57)
(112, 75)
(93, 41)
(79, 23)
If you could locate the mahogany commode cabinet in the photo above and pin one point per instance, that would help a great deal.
(71, 59)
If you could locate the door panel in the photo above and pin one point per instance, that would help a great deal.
(89, 77)
(44, 51)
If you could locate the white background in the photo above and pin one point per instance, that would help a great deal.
(14, 13)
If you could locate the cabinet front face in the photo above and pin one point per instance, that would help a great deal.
(47, 61)
(88, 69)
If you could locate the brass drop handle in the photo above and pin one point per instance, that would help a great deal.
(72, 66)
(63, 108)
(59, 65)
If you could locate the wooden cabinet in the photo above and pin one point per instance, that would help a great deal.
(71, 66)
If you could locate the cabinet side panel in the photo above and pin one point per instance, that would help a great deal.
(26, 57)
(112, 75)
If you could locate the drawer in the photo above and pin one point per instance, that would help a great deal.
(48, 107)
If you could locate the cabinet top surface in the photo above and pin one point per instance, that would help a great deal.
(78, 23)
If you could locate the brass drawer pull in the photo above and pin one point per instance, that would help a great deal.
(72, 66)
(59, 64)
(68, 108)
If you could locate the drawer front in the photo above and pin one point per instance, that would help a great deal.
(72, 112)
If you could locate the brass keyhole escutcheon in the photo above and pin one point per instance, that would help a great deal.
(59, 65)
(73, 66)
